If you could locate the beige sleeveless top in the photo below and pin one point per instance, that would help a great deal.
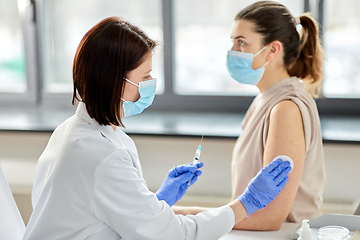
(249, 148)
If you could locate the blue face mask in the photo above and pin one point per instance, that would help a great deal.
(239, 67)
(147, 90)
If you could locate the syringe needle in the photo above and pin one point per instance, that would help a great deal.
(201, 139)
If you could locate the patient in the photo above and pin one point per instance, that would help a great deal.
(286, 66)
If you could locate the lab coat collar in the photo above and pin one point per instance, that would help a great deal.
(106, 131)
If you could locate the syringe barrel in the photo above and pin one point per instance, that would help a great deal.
(197, 154)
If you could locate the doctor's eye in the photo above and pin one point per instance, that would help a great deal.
(241, 43)
(147, 77)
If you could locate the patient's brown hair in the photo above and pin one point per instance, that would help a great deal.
(303, 53)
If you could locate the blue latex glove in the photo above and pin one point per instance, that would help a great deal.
(265, 186)
(177, 182)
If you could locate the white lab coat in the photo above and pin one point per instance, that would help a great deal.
(89, 185)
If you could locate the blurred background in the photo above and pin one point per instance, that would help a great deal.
(200, 38)
(195, 94)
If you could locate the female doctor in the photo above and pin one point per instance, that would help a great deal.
(89, 183)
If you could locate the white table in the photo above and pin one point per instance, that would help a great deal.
(282, 234)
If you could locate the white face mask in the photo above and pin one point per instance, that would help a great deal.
(239, 67)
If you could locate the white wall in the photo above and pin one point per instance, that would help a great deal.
(19, 152)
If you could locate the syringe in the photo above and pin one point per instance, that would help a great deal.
(197, 153)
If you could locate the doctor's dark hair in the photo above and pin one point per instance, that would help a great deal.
(303, 53)
(107, 52)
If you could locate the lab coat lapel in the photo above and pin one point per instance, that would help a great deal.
(106, 131)
(111, 135)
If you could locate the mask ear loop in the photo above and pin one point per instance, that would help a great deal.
(259, 53)
(131, 82)
(137, 85)
(265, 64)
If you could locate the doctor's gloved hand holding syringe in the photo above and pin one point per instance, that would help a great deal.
(177, 182)
(179, 179)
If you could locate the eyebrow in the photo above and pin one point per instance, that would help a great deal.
(149, 71)
(237, 37)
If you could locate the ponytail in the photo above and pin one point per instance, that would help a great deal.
(309, 63)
